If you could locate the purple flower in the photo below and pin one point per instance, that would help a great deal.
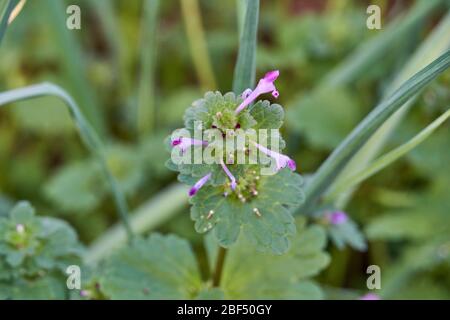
(84, 293)
(199, 184)
(184, 143)
(265, 85)
(370, 296)
(337, 217)
(229, 174)
(281, 160)
(246, 93)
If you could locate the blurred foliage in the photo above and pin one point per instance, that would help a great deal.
(34, 255)
(403, 210)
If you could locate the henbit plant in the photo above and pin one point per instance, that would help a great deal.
(229, 197)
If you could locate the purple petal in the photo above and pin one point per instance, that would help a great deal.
(229, 174)
(265, 85)
(281, 160)
(292, 165)
(370, 296)
(246, 93)
(199, 184)
(337, 217)
(176, 142)
(272, 75)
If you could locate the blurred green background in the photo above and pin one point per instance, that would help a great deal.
(135, 66)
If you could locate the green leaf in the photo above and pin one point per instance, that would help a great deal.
(34, 258)
(337, 161)
(247, 274)
(347, 233)
(244, 72)
(267, 116)
(269, 231)
(398, 226)
(160, 267)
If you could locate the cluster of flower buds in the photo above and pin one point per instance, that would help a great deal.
(265, 85)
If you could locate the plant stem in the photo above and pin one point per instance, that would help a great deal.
(219, 266)
(87, 133)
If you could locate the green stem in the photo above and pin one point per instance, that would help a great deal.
(88, 136)
(219, 266)
(197, 43)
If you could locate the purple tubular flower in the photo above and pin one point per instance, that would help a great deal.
(199, 184)
(265, 85)
(229, 174)
(337, 217)
(281, 160)
(370, 296)
(246, 93)
(184, 143)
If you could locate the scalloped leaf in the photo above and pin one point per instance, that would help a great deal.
(269, 231)
(247, 274)
(159, 267)
(267, 116)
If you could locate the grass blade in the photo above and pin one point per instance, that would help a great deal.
(244, 72)
(5, 11)
(437, 43)
(389, 157)
(146, 90)
(72, 60)
(197, 43)
(375, 48)
(148, 216)
(337, 161)
(87, 133)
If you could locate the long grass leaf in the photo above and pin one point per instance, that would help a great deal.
(197, 43)
(73, 63)
(389, 157)
(146, 90)
(372, 50)
(435, 44)
(148, 216)
(87, 133)
(244, 72)
(5, 11)
(339, 158)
